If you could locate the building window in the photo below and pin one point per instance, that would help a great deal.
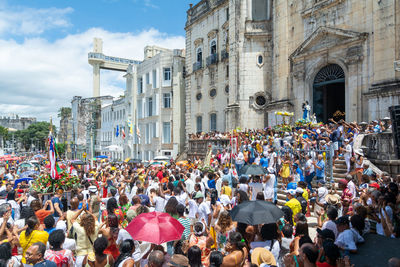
(154, 78)
(199, 54)
(167, 100)
(260, 60)
(166, 132)
(199, 96)
(213, 122)
(199, 124)
(154, 130)
(213, 93)
(140, 86)
(150, 107)
(213, 46)
(227, 13)
(261, 101)
(167, 74)
(147, 78)
(147, 133)
(227, 89)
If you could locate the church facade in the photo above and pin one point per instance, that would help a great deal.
(247, 59)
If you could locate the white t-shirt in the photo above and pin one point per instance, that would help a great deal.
(204, 211)
(347, 154)
(205, 181)
(255, 189)
(269, 187)
(243, 187)
(159, 203)
(182, 198)
(348, 239)
(331, 226)
(309, 164)
(272, 158)
(16, 208)
(189, 186)
(193, 208)
(379, 228)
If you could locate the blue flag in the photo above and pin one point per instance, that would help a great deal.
(117, 132)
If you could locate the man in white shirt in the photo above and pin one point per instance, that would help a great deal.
(272, 158)
(347, 153)
(157, 201)
(268, 183)
(309, 171)
(193, 211)
(204, 210)
(189, 184)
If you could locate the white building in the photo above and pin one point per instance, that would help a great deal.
(228, 82)
(160, 103)
(247, 59)
(113, 121)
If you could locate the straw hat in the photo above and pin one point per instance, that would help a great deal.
(332, 199)
(262, 255)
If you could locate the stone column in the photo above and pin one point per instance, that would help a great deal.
(96, 80)
(352, 93)
(249, 9)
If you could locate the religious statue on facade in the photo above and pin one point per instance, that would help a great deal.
(306, 111)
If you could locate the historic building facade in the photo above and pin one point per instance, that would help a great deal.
(159, 103)
(247, 59)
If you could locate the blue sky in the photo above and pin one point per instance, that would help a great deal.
(44, 46)
(167, 16)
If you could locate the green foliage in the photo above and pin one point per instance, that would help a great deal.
(36, 134)
(61, 148)
(64, 112)
(4, 133)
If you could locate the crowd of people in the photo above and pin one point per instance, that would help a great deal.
(86, 226)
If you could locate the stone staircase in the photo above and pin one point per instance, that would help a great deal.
(339, 172)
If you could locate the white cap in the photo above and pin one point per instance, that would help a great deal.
(291, 192)
(224, 199)
(92, 189)
(299, 190)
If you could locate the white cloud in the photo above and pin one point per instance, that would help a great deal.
(18, 20)
(37, 76)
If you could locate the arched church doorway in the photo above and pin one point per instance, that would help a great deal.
(329, 93)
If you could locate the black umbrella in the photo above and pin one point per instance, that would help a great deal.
(252, 170)
(135, 161)
(256, 212)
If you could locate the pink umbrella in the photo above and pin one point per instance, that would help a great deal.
(155, 227)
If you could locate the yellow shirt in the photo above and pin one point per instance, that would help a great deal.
(305, 194)
(227, 191)
(294, 205)
(27, 241)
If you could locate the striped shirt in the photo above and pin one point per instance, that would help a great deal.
(186, 223)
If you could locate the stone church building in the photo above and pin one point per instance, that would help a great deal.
(247, 59)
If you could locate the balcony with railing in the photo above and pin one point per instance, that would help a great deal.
(212, 59)
(224, 55)
(197, 66)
